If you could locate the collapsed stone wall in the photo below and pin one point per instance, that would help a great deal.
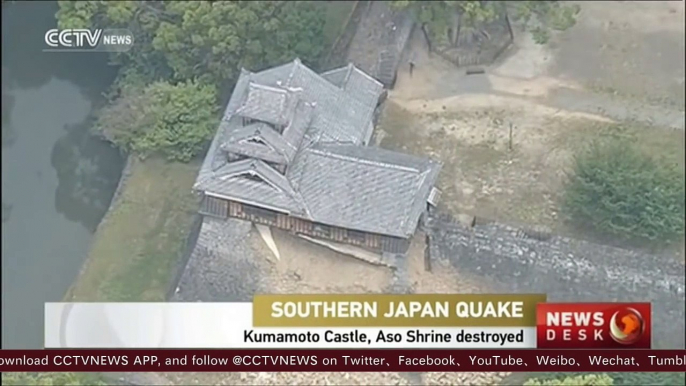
(565, 269)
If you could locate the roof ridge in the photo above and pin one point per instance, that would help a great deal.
(349, 72)
(296, 65)
(363, 161)
(331, 71)
(255, 84)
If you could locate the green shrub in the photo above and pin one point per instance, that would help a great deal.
(617, 190)
(578, 380)
(540, 35)
(173, 120)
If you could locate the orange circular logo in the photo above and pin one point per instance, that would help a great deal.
(627, 326)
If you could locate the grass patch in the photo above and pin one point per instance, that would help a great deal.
(137, 246)
(337, 13)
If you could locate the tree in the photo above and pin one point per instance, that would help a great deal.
(444, 19)
(142, 18)
(579, 380)
(204, 40)
(212, 40)
(173, 120)
(617, 190)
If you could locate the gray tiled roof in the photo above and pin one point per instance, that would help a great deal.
(364, 188)
(336, 76)
(338, 115)
(318, 129)
(261, 140)
(268, 104)
(355, 83)
(362, 86)
(293, 133)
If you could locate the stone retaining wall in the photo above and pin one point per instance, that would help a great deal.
(395, 40)
(220, 244)
(125, 175)
(566, 270)
(189, 247)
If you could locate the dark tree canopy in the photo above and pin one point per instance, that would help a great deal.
(205, 40)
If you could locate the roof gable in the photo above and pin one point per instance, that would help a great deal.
(244, 140)
(253, 182)
(258, 169)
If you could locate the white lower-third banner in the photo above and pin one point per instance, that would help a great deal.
(230, 325)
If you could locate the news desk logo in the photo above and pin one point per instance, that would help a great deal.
(84, 40)
(593, 325)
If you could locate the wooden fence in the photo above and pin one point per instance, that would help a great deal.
(478, 57)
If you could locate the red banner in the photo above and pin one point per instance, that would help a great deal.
(343, 360)
(593, 325)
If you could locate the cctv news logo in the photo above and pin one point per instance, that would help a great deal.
(593, 325)
(81, 40)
